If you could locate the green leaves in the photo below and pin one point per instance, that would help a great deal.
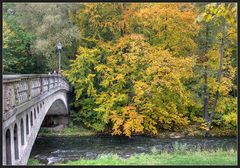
(17, 48)
(216, 12)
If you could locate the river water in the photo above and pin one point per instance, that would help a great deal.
(50, 150)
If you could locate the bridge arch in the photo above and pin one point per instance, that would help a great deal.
(16, 148)
(8, 147)
(22, 123)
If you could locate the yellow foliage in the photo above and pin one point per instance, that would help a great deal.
(139, 76)
(129, 122)
(174, 26)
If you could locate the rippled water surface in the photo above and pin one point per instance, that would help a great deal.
(54, 149)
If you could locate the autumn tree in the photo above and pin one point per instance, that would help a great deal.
(104, 21)
(135, 88)
(219, 69)
(145, 67)
(171, 26)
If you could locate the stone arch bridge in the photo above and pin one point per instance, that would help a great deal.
(27, 99)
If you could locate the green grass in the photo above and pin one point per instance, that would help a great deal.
(32, 162)
(180, 157)
(67, 131)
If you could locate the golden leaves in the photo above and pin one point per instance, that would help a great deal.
(171, 25)
(128, 123)
(139, 84)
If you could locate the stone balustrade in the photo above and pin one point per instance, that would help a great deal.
(18, 89)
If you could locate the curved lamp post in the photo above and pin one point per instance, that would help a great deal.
(59, 47)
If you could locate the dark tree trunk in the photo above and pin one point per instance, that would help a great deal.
(124, 28)
(219, 73)
(206, 96)
(165, 28)
(206, 93)
(165, 33)
(121, 32)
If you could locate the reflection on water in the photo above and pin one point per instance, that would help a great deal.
(54, 149)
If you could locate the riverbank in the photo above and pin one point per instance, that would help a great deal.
(191, 131)
(67, 131)
(178, 157)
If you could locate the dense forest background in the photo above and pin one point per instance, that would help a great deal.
(136, 68)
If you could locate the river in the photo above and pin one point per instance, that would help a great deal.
(50, 150)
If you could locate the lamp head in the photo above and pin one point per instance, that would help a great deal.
(59, 46)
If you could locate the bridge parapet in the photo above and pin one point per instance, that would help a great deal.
(18, 89)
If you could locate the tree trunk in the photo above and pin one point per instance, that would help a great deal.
(165, 28)
(206, 96)
(219, 72)
(206, 93)
(165, 33)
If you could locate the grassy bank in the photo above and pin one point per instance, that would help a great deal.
(67, 131)
(176, 158)
(32, 162)
(179, 157)
(191, 131)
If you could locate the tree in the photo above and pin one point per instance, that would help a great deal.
(140, 69)
(17, 56)
(49, 23)
(171, 26)
(102, 21)
(135, 88)
(224, 16)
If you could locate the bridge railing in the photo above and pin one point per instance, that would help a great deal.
(18, 89)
